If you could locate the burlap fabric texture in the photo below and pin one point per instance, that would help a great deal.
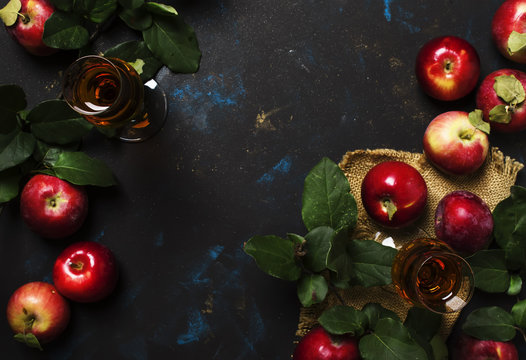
(491, 182)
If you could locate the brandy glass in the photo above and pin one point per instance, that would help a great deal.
(428, 273)
(110, 94)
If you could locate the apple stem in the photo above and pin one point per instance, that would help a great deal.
(467, 134)
(447, 65)
(390, 207)
(25, 18)
(76, 265)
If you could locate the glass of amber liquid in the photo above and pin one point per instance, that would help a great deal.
(110, 94)
(428, 273)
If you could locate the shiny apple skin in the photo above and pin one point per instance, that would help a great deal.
(509, 17)
(42, 301)
(52, 207)
(447, 147)
(29, 34)
(469, 348)
(464, 221)
(487, 99)
(398, 182)
(447, 68)
(85, 271)
(318, 344)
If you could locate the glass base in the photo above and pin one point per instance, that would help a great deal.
(154, 115)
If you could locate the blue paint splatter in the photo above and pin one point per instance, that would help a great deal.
(197, 328)
(196, 278)
(99, 236)
(387, 9)
(282, 167)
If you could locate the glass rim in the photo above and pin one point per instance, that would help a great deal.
(78, 62)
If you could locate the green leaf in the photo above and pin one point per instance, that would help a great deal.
(516, 42)
(63, 5)
(327, 200)
(12, 100)
(489, 268)
(173, 42)
(371, 262)
(423, 325)
(477, 120)
(80, 169)
(298, 240)
(515, 285)
(131, 4)
(390, 340)
(317, 245)
(53, 121)
(275, 256)
(338, 258)
(509, 89)
(341, 319)
(15, 148)
(97, 11)
(440, 350)
(29, 339)
(510, 227)
(65, 31)
(490, 323)
(9, 13)
(312, 289)
(375, 312)
(9, 184)
(137, 19)
(500, 114)
(132, 51)
(518, 312)
(160, 9)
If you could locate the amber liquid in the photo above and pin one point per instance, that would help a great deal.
(107, 95)
(426, 272)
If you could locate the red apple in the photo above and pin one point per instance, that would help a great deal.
(29, 26)
(464, 221)
(394, 194)
(447, 68)
(500, 96)
(37, 308)
(318, 344)
(509, 22)
(85, 271)
(469, 348)
(454, 145)
(53, 208)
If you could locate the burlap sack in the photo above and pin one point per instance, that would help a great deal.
(492, 183)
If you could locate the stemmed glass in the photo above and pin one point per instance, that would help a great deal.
(110, 94)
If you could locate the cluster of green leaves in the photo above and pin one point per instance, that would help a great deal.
(384, 336)
(511, 91)
(326, 256)
(43, 139)
(166, 38)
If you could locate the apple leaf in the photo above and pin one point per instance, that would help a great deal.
(131, 4)
(15, 148)
(477, 120)
(423, 325)
(53, 121)
(12, 101)
(516, 42)
(317, 245)
(375, 312)
(489, 268)
(371, 262)
(97, 11)
(64, 5)
(509, 89)
(515, 285)
(80, 169)
(312, 289)
(137, 19)
(510, 227)
(500, 114)
(390, 340)
(29, 339)
(275, 256)
(9, 184)
(9, 13)
(490, 323)
(326, 199)
(338, 258)
(133, 52)
(160, 9)
(64, 30)
(518, 312)
(341, 319)
(440, 349)
(173, 42)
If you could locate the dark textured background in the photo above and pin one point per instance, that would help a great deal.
(281, 84)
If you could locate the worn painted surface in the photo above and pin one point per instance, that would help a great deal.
(281, 84)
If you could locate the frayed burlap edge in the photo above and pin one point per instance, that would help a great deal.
(492, 183)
